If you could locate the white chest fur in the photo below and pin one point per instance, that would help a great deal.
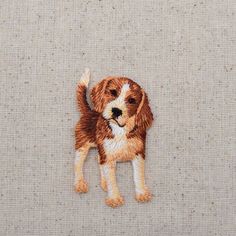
(120, 148)
(117, 143)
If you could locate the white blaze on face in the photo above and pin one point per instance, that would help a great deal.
(119, 102)
(121, 98)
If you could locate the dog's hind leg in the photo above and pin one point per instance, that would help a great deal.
(103, 182)
(80, 184)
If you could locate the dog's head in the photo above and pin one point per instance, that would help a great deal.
(123, 102)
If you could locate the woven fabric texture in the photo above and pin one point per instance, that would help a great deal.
(183, 53)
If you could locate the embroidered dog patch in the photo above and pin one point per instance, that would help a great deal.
(117, 127)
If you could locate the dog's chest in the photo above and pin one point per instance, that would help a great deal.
(120, 148)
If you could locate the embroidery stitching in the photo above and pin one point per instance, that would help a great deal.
(117, 127)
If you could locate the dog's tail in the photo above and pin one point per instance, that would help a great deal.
(81, 92)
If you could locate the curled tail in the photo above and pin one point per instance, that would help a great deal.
(81, 92)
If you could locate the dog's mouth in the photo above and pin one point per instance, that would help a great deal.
(116, 121)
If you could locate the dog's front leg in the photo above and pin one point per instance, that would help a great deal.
(114, 198)
(142, 192)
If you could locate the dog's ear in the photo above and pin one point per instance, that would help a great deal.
(144, 116)
(98, 94)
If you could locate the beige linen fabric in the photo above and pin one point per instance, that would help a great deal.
(182, 53)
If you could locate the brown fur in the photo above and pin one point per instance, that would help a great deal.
(93, 128)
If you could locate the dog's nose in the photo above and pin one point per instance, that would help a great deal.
(116, 112)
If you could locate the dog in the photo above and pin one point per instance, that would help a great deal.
(117, 127)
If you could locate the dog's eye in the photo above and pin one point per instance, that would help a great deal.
(113, 92)
(131, 101)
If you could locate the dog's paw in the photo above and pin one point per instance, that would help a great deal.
(104, 185)
(81, 186)
(144, 197)
(115, 202)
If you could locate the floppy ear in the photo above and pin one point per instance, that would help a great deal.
(97, 94)
(144, 116)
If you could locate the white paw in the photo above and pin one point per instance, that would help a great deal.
(146, 196)
(81, 186)
(115, 202)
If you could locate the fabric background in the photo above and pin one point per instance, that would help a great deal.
(181, 52)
